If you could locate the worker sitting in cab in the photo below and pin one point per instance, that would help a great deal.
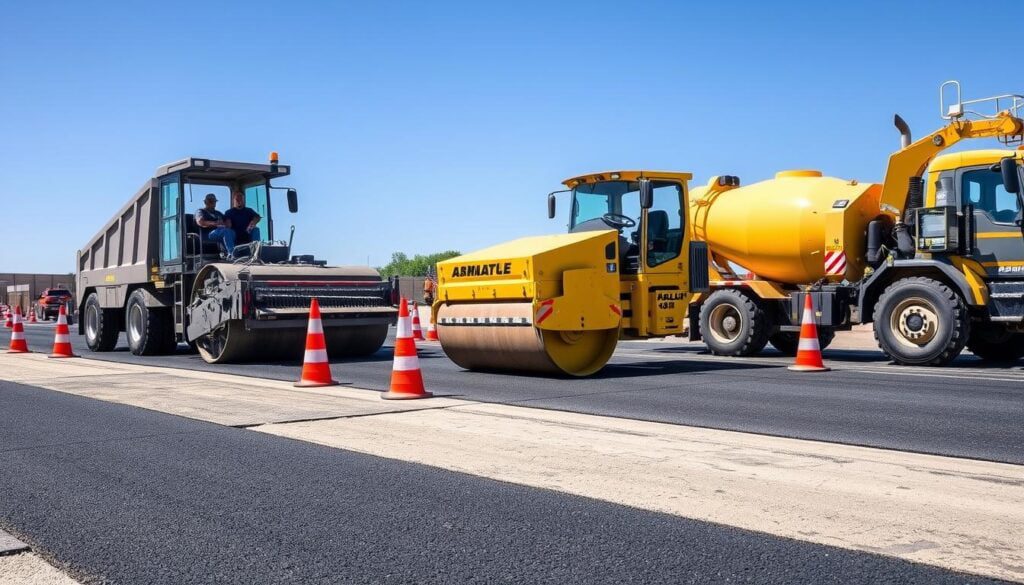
(213, 225)
(242, 220)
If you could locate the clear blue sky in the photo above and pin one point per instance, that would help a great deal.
(423, 126)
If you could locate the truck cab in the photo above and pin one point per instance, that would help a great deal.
(660, 267)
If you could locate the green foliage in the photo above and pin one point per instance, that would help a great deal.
(402, 265)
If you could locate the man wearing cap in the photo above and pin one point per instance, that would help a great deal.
(211, 223)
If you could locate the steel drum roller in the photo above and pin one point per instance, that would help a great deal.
(501, 336)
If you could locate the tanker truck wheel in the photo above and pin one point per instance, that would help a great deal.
(101, 326)
(921, 322)
(995, 344)
(787, 341)
(733, 324)
(150, 329)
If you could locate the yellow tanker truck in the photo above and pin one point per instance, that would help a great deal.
(936, 261)
(933, 256)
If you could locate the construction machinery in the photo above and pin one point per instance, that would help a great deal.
(151, 273)
(558, 304)
(933, 256)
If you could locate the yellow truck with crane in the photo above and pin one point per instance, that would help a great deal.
(937, 264)
(933, 256)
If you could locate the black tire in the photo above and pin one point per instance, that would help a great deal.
(995, 344)
(101, 325)
(787, 341)
(733, 324)
(921, 322)
(147, 328)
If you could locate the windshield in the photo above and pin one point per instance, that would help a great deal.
(57, 292)
(591, 202)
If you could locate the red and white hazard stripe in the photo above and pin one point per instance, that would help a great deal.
(545, 310)
(835, 263)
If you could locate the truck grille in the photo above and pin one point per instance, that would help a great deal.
(329, 295)
(699, 281)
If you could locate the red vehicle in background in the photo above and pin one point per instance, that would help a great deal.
(50, 301)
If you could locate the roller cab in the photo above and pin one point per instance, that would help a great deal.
(558, 304)
(155, 274)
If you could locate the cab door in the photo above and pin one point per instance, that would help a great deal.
(998, 242)
(171, 236)
(663, 263)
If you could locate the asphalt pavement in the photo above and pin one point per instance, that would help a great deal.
(118, 494)
(967, 410)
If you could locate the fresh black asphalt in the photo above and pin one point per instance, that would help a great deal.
(118, 494)
(965, 417)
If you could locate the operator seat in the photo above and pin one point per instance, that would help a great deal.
(657, 230)
(208, 248)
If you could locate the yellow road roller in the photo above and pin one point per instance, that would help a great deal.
(558, 304)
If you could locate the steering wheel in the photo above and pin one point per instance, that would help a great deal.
(618, 220)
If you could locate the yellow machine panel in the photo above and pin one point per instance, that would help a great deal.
(544, 304)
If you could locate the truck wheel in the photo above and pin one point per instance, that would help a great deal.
(995, 344)
(733, 324)
(787, 341)
(921, 322)
(147, 327)
(101, 327)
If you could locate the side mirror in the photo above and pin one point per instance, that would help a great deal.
(646, 194)
(1011, 179)
(293, 201)
(551, 205)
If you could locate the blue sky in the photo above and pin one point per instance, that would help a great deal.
(424, 126)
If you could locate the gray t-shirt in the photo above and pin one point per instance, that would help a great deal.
(208, 215)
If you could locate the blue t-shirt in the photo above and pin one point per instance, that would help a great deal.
(240, 219)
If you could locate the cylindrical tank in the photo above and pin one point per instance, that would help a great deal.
(789, 229)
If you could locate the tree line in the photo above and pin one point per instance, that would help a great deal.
(402, 265)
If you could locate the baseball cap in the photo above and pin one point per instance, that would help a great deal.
(210, 197)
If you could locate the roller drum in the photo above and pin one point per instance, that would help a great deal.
(501, 337)
(234, 343)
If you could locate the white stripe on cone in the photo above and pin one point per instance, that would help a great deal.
(406, 363)
(62, 338)
(315, 356)
(315, 326)
(810, 344)
(17, 336)
(404, 327)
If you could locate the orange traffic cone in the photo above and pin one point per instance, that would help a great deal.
(62, 338)
(32, 315)
(417, 330)
(18, 343)
(316, 369)
(406, 377)
(9, 319)
(432, 331)
(808, 354)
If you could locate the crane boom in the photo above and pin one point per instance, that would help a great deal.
(911, 161)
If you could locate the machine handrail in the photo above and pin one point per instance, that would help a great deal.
(1009, 102)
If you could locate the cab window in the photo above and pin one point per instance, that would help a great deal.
(984, 189)
(256, 199)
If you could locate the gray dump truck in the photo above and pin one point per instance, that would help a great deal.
(151, 273)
